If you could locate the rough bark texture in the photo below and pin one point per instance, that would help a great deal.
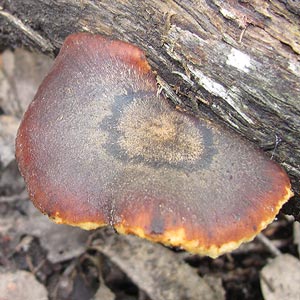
(233, 61)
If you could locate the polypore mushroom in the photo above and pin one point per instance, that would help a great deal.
(98, 146)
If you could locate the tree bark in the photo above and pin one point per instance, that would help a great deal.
(233, 61)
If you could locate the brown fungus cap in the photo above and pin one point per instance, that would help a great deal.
(98, 146)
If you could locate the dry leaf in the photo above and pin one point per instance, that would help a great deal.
(21, 286)
(8, 131)
(296, 227)
(280, 278)
(21, 72)
(155, 269)
(62, 242)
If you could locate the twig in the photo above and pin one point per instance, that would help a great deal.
(34, 36)
(13, 198)
(34, 269)
(29, 263)
(39, 266)
(268, 244)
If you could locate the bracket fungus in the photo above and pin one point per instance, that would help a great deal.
(99, 146)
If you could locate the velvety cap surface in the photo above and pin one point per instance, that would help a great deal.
(98, 146)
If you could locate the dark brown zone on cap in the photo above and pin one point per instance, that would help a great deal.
(154, 159)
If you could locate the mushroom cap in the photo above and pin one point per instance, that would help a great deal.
(99, 146)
